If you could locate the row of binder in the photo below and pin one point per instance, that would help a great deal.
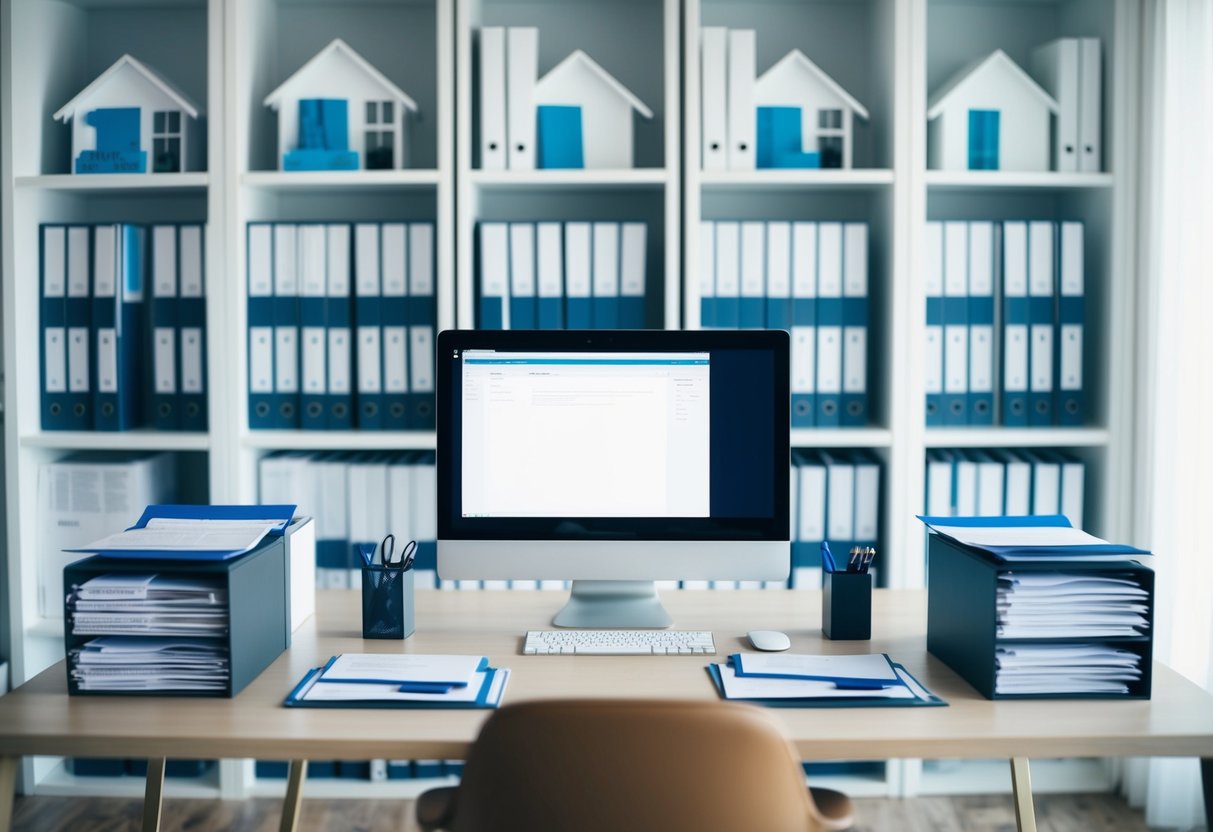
(995, 483)
(835, 498)
(98, 321)
(573, 275)
(1005, 301)
(327, 352)
(810, 279)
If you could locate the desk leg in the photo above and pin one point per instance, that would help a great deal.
(1021, 788)
(291, 804)
(1206, 776)
(153, 794)
(8, 785)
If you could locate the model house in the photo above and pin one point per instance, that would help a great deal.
(128, 114)
(805, 119)
(584, 116)
(990, 116)
(337, 112)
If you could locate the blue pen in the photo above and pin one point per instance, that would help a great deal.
(367, 553)
(827, 557)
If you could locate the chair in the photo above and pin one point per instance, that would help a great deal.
(632, 766)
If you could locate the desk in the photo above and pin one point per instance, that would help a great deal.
(39, 717)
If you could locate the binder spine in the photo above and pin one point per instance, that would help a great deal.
(605, 280)
(981, 323)
(1070, 407)
(339, 411)
(53, 325)
(804, 324)
(549, 269)
(286, 327)
(395, 311)
(753, 275)
(1041, 267)
(633, 251)
(956, 324)
(369, 355)
(313, 288)
(829, 324)
(707, 275)
(1015, 324)
(80, 369)
(423, 323)
(578, 275)
(106, 315)
(192, 309)
(260, 271)
(855, 326)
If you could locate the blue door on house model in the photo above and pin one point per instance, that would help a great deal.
(117, 146)
(323, 137)
(983, 139)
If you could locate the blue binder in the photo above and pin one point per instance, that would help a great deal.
(804, 324)
(956, 323)
(935, 325)
(549, 274)
(633, 253)
(118, 325)
(313, 319)
(52, 315)
(605, 310)
(495, 275)
(1015, 325)
(191, 314)
(79, 314)
(338, 322)
(779, 276)
(1070, 407)
(423, 322)
(260, 269)
(707, 274)
(368, 338)
(728, 275)
(522, 276)
(286, 326)
(829, 325)
(393, 266)
(854, 411)
(578, 275)
(981, 324)
(164, 370)
(752, 303)
(1042, 254)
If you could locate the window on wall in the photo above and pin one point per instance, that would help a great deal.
(166, 141)
(830, 137)
(380, 135)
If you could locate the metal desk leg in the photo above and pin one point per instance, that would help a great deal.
(1206, 776)
(8, 783)
(1021, 787)
(153, 794)
(291, 804)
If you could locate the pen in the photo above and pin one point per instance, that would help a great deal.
(368, 554)
(827, 557)
(855, 559)
(868, 555)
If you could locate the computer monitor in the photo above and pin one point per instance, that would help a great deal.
(613, 459)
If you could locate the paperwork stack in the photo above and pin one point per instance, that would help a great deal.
(1029, 607)
(394, 680)
(792, 680)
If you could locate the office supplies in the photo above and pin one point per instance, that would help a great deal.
(804, 324)
(933, 379)
(394, 316)
(578, 275)
(1017, 490)
(619, 642)
(260, 325)
(1072, 487)
(846, 600)
(367, 319)
(633, 254)
(827, 557)
(606, 275)
(483, 689)
(313, 339)
(811, 523)
(713, 103)
(901, 689)
(1090, 106)
(854, 404)
(779, 277)
(990, 477)
(495, 276)
(191, 315)
(707, 274)
(493, 143)
(52, 313)
(78, 319)
(164, 327)
(1016, 319)
(387, 600)
(742, 72)
(549, 270)
(1041, 298)
(751, 307)
(1069, 406)
(522, 276)
(769, 640)
(829, 325)
(1056, 66)
(980, 407)
(118, 306)
(955, 323)
(522, 70)
(188, 532)
(286, 326)
(339, 322)
(728, 275)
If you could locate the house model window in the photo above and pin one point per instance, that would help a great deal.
(831, 137)
(166, 141)
(380, 135)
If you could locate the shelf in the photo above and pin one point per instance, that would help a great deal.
(841, 438)
(1015, 180)
(339, 180)
(647, 177)
(779, 180)
(1016, 437)
(160, 183)
(126, 440)
(60, 782)
(342, 440)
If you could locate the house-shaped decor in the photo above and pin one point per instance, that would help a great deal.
(130, 120)
(584, 116)
(805, 119)
(337, 112)
(990, 116)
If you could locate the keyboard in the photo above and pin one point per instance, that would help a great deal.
(619, 643)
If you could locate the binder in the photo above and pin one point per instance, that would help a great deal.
(260, 326)
(712, 102)
(632, 255)
(424, 497)
(933, 381)
(854, 411)
(1018, 483)
(939, 484)
(1041, 316)
(753, 275)
(339, 409)
(549, 269)
(981, 324)
(492, 98)
(394, 309)
(164, 327)
(330, 477)
(1016, 320)
(606, 275)
(966, 486)
(804, 324)
(494, 275)
(400, 499)
(52, 313)
(779, 276)
(118, 323)
(829, 325)
(522, 71)
(990, 479)
(368, 508)
(423, 320)
(578, 275)
(867, 499)
(1090, 106)
(1069, 405)
(728, 275)
(286, 326)
(742, 72)
(806, 560)
(1072, 475)
(707, 275)
(191, 314)
(1046, 483)
(79, 314)
(956, 323)
(840, 501)
(369, 356)
(1055, 65)
(522, 276)
(313, 317)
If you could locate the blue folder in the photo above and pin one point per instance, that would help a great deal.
(280, 513)
(481, 702)
(843, 702)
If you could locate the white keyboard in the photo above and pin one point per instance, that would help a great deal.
(619, 642)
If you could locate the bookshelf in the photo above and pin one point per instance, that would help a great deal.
(228, 54)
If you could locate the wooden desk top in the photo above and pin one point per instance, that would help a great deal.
(39, 717)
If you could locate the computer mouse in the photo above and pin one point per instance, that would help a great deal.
(770, 640)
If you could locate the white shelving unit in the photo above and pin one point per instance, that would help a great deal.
(228, 54)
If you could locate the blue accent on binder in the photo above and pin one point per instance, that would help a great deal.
(1040, 402)
(829, 405)
(956, 316)
(804, 405)
(939, 525)
(313, 314)
(260, 315)
(559, 137)
(854, 411)
(522, 310)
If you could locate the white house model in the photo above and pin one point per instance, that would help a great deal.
(990, 116)
(827, 111)
(130, 120)
(606, 108)
(337, 112)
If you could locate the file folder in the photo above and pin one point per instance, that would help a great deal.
(1073, 476)
(339, 409)
(933, 376)
(966, 484)
(164, 328)
(79, 324)
(633, 252)
(956, 323)
(313, 317)
(804, 324)
(707, 275)
(494, 275)
(779, 276)
(394, 309)
(753, 275)
(742, 72)
(522, 276)
(806, 552)
(1046, 483)
(286, 326)
(260, 326)
(606, 275)
(1016, 322)
(1070, 315)
(939, 484)
(549, 269)
(53, 316)
(728, 275)
(191, 313)
(829, 325)
(332, 520)
(118, 252)
(578, 275)
(981, 324)
(1090, 106)
(1017, 492)
(990, 479)
(1041, 254)
(367, 319)
(713, 76)
(1055, 65)
(492, 98)
(522, 71)
(854, 411)
(423, 320)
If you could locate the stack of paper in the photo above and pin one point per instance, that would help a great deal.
(124, 663)
(1065, 668)
(1070, 605)
(799, 680)
(393, 680)
(147, 604)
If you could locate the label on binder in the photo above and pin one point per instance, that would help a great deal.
(395, 360)
(286, 359)
(191, 359)
(107, 361)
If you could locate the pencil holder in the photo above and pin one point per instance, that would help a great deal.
(387, 602)
(846, 605)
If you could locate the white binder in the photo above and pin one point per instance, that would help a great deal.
(492, 98)
(743, 69)
(522, 58)
(712, 102)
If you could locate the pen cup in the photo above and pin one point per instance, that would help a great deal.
(846, 605)
(387, 602)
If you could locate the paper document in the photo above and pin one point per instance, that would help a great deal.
(399, 668)
(1023, 536)
(177, 535)
(1065, 668)
(761, 687)
(874, 667)
(122, 663)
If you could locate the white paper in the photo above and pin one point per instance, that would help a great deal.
(864, 666)
(183, 535)
(1021, 536)
(403, 667)
(746, 687)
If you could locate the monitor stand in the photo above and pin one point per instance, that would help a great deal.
(619, 605)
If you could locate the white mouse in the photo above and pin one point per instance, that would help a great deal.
(771, 640)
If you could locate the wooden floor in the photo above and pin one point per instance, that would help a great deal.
(993, 813)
